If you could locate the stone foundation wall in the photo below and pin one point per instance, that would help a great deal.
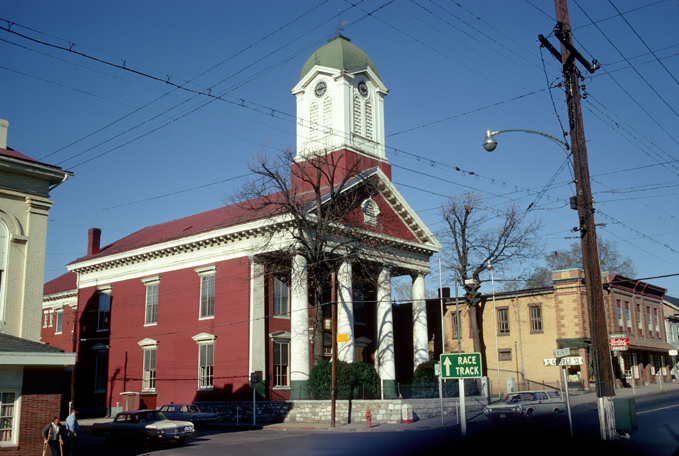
(383, 411)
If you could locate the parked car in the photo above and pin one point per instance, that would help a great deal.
(526, 405)
(188, 412)
(145, 426)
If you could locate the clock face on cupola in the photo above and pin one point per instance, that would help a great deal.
(340, 102)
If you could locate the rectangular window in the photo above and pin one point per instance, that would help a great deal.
(149, 376)
(655, 365)
(649, 322)
(503, 322)
(206, 366)
(619, 313)
(281, 364)
(358, 298)
(453, 320)
(207, 296)
(656, 323)
(60, 322)
(535, 319)
(151, 305)
(100, 374)
(104, 312)
(281, 296)
(640, 321)
(628, 318)
(504, 354)
(635, 366)
(46, 317)
(7, 414)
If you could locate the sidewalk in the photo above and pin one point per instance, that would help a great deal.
(577, 398)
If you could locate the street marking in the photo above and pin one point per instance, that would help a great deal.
(655, 410)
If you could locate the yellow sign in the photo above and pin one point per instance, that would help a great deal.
(342, 338)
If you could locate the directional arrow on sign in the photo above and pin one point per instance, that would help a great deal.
(447, 364)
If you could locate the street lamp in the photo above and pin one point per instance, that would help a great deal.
(490, 143)
(595, 299)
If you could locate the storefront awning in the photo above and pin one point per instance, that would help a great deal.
(650, 345)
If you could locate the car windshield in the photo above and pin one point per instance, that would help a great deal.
(514, 398)
(145, 417)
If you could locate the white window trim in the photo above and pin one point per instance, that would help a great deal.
(107, 290)
(148, 344)
(205, 271)
(16, 418)
(205, 339)
(45, 317)
(285, 315)
(150, 281)
(282, 337)
(58, 330)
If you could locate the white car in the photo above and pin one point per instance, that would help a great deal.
(526, 405)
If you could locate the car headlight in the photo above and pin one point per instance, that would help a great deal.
(517, 409)
(188, 429)
(160, 432)
(486, 411)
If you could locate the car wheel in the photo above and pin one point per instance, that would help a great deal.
(147, 440)
(555, 414)
(529, 416)
(181, 440)
(108, 439)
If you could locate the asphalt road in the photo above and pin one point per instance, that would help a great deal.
(658, 434)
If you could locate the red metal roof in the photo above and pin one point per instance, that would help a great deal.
(62, 283)
(191, 225)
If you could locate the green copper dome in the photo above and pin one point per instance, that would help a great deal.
(338, 53)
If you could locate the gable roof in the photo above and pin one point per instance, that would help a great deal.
(65, 282)
(222, 217)
(241, 213)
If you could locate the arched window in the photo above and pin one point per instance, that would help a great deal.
(327, 114)
(368, 120)
(313, 120)
(358, 121)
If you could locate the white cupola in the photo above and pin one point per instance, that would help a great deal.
(340, 102)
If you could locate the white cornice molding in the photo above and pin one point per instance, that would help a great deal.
(153, 280)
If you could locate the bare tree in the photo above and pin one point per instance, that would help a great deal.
(320, 199)
(476, 237)
(610, 260)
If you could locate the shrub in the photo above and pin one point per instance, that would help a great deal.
(350, 377)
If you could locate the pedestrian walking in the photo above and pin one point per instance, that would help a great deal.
(72, 430)
(52, 436)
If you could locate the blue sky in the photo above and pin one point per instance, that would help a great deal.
(144, 152)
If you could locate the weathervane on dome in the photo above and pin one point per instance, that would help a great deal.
(340, 24)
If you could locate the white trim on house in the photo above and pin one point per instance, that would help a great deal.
(36, 359)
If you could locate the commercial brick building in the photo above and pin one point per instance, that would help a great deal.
(529, 324)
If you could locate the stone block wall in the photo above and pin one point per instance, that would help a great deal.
(383, 411)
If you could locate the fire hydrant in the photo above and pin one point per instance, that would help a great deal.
(368, 417)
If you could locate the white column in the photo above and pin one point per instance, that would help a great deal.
(420, 335)
(385, 359)
(257, 319)
(345, 312)
(299, 327)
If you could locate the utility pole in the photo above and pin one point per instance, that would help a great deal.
(333, 324)
(595, 299)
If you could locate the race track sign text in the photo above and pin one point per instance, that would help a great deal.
(460, 365)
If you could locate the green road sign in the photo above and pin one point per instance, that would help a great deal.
(460, 365)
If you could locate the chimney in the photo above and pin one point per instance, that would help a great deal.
(93, 239)
(3, 133)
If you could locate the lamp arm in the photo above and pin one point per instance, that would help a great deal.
(563, 144)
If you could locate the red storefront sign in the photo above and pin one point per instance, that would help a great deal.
(619, 343)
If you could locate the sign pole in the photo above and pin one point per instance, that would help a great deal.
(568, 400)
(463, 409)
